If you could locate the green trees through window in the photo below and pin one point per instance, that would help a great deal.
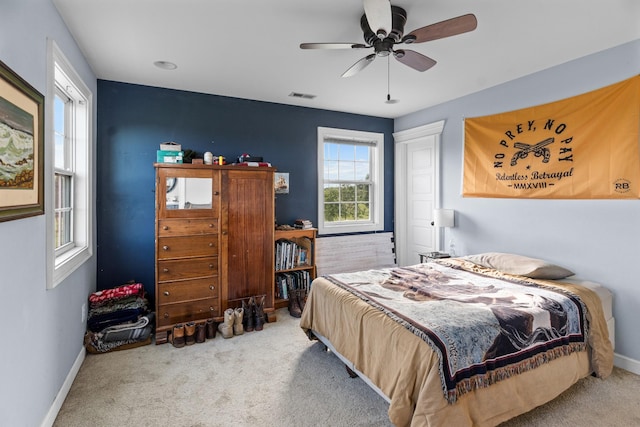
(350, 181)
(347, 182)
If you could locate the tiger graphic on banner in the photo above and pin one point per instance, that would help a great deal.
(584, 147)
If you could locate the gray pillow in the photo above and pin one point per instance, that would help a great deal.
(520, 265)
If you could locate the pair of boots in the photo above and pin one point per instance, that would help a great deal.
(191, 333)
(232, 323)
(253, 314)
(249, 317)
(297, 299)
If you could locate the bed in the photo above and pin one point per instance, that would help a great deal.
(406, 331)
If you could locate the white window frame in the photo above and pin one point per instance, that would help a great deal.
(60, 72)
(376, 142)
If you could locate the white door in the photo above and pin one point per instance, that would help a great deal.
(420, 201)
(417, 192)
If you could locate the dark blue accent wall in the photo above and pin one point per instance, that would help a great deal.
(132, 122)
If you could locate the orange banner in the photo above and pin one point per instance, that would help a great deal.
(585, 147)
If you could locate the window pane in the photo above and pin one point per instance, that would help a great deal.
(62, 208)
(346, 171)
(363, 212)
(362, 153)
(362, 171)
(62, 191)
(347, 211)
(348, 193)
(331, 170)
(62, 228)
(331, 151)
(347, 152)
(362, 193)
(59, 132)
(331, 212)
(331, 193)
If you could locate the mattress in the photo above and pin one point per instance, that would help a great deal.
(606, 297)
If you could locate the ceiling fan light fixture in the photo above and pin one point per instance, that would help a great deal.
(409, 38)
(378, 15)
(165, 65)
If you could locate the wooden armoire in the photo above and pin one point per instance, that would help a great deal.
(214, 241)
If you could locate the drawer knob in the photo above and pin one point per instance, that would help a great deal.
(166, 293)
(215, 193)
(224, 233)
(166, 270)
(213, 288)
(210, 225)
(165, 248)
(210, 265)
(211, 309)
(210, 244)
(166, 315)
(166, 227)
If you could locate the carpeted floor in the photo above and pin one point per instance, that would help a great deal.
(277, 377)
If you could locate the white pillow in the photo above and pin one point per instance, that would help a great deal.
(520, 265)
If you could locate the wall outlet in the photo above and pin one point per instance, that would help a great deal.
(84, 313)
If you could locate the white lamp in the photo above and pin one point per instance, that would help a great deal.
(444, 218)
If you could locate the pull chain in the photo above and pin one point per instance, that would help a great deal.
(389, 100)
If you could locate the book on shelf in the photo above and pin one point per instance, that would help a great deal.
(299, 280)
(292, 253)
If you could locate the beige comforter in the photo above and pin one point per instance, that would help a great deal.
(406, 369)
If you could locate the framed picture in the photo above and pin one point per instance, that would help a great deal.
(21, 147)
(282, 182)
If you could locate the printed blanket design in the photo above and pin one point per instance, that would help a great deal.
(483, 328)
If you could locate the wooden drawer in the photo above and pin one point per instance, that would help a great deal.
(187, 290)
(187, 268)
(187, 311)
(191, 246)
(184, 227)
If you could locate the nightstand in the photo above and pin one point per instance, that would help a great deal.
(430, 256)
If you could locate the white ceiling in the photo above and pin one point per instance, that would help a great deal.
(250, 48)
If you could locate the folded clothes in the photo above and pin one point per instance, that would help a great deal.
(128, 331)
(126, 303)
(99, 298)
(96, 346)
(99, 322)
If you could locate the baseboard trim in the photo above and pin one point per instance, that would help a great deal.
(626, 363)
(64, 390)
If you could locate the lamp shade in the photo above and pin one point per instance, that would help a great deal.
(443, 217)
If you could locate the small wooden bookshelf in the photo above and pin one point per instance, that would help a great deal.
(295, 256)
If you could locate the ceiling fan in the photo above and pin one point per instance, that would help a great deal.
(383, 28)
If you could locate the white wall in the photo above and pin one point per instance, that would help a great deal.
(598, 239)
(42, 330)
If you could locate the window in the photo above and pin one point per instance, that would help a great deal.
(350, 181)
(63, 172)
(69, 204)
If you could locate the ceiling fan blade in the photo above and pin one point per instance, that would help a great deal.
(378, 14)
(440, 30)
(359, 66)
(332, 46)
(415, 60)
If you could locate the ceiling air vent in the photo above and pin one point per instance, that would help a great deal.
(301, 95)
